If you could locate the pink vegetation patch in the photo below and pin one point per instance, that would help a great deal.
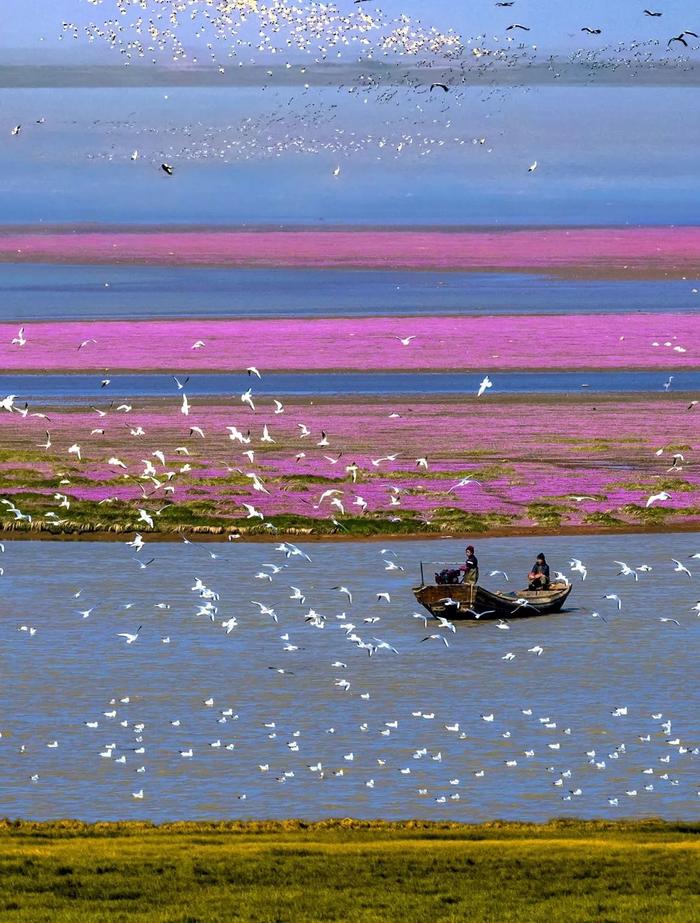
(585, 341)
(584, 457)
(621, 250)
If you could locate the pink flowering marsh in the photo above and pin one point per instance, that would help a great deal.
(486, 464)
(586, 341)
(620, 252)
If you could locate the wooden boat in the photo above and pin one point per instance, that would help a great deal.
(469, 601)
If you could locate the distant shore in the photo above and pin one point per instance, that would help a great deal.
(587, 252)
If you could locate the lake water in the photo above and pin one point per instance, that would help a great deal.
(61, 292)
(604, 687)
(66, 390)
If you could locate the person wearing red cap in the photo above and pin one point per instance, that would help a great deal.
(471, 566)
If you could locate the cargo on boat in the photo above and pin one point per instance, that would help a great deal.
(471, 601)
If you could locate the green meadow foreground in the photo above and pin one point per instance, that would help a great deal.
(350, 871)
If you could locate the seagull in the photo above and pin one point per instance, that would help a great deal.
(185, 406)
(446, 623)
(674, 621)
(591, 31)
(614, 597)
(496, 573)
(129, 637)
(436, 638)
(137, 543)
(252, 512)
(657, 498)
(439, 86)
(20, 339)
(344, 589)
(484, 384)
(257, 483)
(626, 570)
(517, 25)
(247, 398)
(465, 482)
(180, 384)
(532, 167)
(144, 516)
(404, 341)
(680, 568)
(578, 567)
(383, 645)
(252, 370)
(166, 168)
(297, 594)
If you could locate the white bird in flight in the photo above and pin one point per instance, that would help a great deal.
(130, 638)
(657, 498)
(484, 385)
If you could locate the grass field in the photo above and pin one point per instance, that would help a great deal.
(350, 871)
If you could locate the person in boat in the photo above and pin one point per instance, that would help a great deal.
(471, 566)
(539, 575)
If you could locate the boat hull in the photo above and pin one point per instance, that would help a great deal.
(472, 603)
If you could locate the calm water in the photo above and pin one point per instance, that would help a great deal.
(60, 292)
(252, 154)
(70, 389)
(74, 669)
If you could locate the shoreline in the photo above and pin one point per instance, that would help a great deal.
(398, 370)
(219, 534)
(495, 828)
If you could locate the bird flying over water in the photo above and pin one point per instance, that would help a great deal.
(484, 385)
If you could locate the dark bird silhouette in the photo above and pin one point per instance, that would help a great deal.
(591, 31)
(681, 39)
(652, 13)
(516, 25)
(505, 3)
(167, 169)
(442, 86)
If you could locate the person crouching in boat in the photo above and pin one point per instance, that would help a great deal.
(471, 566)
(539, 575)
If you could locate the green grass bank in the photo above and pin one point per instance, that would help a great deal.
(350, 871)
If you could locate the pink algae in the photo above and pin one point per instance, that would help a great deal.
(601, 449)
(586, 341)
(623, 250)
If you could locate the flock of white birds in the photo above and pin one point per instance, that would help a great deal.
(335, 663)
